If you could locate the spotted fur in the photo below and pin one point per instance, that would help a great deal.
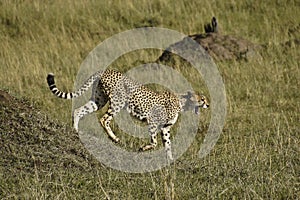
(160, 110)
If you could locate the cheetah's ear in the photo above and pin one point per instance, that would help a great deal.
(189, 94)
(185, 97)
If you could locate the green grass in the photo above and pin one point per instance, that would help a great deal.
(257, 155)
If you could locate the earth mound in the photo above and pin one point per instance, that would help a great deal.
(30, 140)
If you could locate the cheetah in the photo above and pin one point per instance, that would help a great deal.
(160, 110)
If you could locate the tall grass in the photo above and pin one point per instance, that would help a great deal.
(257, 156)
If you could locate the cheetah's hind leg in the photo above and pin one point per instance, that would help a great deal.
(105, 121)
(97, 101)
(88, 108)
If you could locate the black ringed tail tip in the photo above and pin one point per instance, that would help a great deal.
(50, 79)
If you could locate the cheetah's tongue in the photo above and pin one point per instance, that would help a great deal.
(196, 110)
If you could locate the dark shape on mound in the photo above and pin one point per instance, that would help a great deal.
(213, 27)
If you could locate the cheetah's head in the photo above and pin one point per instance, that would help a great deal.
(202, 100)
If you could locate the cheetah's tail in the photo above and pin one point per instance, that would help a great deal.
(70, 95)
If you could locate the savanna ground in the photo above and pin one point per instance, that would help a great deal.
(257, 155)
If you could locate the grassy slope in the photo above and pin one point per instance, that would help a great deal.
(257, 155)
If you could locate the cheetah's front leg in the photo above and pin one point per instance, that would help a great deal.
(166, 140)
(153, 138)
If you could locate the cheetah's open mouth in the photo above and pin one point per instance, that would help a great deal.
(205, 106)
(202, 106)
